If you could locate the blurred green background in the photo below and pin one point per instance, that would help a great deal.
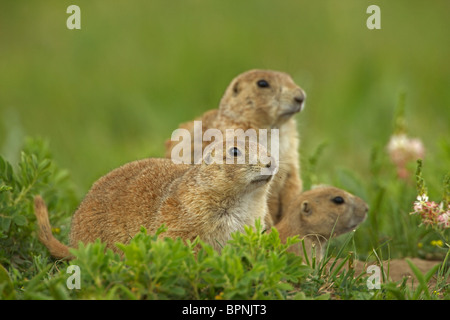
(113, 91)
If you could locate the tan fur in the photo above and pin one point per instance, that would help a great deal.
(314, 216)
(244, 106)
(56, 248)
(206, 200)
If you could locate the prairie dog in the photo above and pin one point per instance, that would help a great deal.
(206, 200)
(319, 214)
(261, 99)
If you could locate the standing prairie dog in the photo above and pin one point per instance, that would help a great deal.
(319, 214)
(261, 99)
(206, 200)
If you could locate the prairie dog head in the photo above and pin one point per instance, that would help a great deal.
(268, 98)
(245, 165)
(324, 210)
(229, 189)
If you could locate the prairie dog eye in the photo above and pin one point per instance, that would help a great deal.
(262, 83)
(338, 200)
(234, 151)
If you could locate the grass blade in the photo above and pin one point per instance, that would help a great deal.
(423, 279)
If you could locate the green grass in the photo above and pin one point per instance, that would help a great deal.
(115, 90)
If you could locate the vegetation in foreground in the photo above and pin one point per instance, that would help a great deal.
(253, 265)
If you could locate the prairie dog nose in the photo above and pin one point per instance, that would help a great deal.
(271, 167)
(269, 164)
(300, 97)
(366, 208)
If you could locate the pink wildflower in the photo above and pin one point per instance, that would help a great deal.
(444, 218)
(431, 213)
(420, 203)
(402, 150)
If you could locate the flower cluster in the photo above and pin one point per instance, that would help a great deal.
(402, 150)
(432, 213)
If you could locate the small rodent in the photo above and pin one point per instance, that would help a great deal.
(319, 214)
(206, 200)
(261, 99)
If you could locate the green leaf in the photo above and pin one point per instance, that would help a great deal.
(60, 292)
(4, 188)
(6, 287)
(395, 291)
(44, 165)
(325, 296)
(285, 286)
(6, 170)
(5, 223)
(299, 296)
(20, 220)
(113, 293)
(37, 281)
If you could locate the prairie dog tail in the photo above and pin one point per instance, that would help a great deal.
(56, 248)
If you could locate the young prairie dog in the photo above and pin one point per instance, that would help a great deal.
(206, 200)
(260, 99)
(317, 213)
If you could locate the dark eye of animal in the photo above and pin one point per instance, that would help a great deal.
(262, 84)
(235, 152)
(338, 200)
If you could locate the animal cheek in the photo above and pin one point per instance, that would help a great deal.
(249, 101)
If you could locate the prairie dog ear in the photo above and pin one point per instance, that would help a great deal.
(236, 88)
(306, 208)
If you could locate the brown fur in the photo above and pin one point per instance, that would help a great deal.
(206, 200)
(56, 248)
(247, 106)
(314, 216)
